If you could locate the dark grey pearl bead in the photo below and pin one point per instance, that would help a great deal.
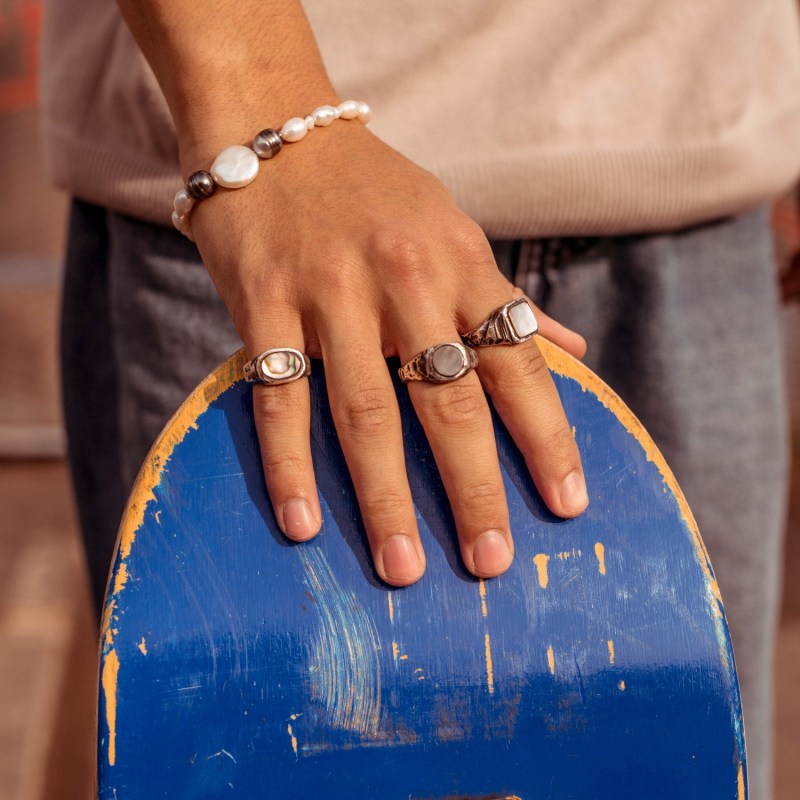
(268, 143)
(200, 185)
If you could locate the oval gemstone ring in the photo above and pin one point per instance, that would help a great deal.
(279, 365)
(440, 363)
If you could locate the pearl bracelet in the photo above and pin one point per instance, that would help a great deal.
(236, 166)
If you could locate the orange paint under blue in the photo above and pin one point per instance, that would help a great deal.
(284, 658)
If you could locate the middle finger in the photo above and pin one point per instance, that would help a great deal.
(458, 424)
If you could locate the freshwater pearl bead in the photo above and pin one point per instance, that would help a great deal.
(183, 203)
(238, 166)
(364, 113)
(235, 166)
(183, 224)
(294, 130)
(200, 185)
(268, 143)
(349, 109)
(323, 116)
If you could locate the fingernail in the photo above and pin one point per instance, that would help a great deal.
(574, 498)
(298, 519)
(491, 554)
(400, 559)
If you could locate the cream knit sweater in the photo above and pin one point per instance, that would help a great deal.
(544, 117)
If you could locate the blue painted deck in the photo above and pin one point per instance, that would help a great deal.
(238, 665)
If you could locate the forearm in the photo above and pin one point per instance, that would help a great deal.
(227, 68)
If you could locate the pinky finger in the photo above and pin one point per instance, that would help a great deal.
(557, 333)
(282, 416)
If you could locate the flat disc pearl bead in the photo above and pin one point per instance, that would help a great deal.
(235, 166)
(294, 130)
(324, 115)
(309, 122)
(349, 109)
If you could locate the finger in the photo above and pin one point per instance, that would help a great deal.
(282, 417)
(367, 420)
(524, 394)
(458, 424)
(558, 334)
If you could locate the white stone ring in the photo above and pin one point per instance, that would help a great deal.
(279, 365)
(512, 323)
(440, 363)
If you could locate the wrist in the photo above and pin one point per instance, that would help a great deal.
(205, 129)
(238, 165)
(226, 69)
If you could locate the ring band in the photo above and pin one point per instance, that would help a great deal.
(279, 365)
(440, 363)
(512, 323)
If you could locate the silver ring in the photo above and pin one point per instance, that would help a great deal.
(512, 323)
(279, 365)
(440, 363)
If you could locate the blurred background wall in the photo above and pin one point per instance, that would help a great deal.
(47, 638)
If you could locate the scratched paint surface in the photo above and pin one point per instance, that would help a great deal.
(237, 665)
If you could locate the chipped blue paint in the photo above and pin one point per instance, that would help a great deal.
(274, 670)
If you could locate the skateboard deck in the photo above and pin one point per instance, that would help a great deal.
(236, 664)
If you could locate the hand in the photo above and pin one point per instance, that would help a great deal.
(346, 250)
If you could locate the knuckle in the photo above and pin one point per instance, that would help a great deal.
(560, 445)
(389, 506)
(404, 256)
(368, 411)
(339, 277)
(247, 311)
(470, 243)
(276, 464)
(480, 499)
(531, 365)
(457, 404)
(273, 404)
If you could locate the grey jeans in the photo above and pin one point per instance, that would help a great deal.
(683, 325)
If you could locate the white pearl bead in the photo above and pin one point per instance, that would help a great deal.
(364, 113)
(323, 116)
(183, 203)
(235, 166)
(183, 224)
(294, 129)
(309, 122)
(349, 109)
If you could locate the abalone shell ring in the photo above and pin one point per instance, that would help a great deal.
(440, 363)
(279, 365)
(512, 323)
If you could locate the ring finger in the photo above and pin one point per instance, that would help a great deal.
(458, 424)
